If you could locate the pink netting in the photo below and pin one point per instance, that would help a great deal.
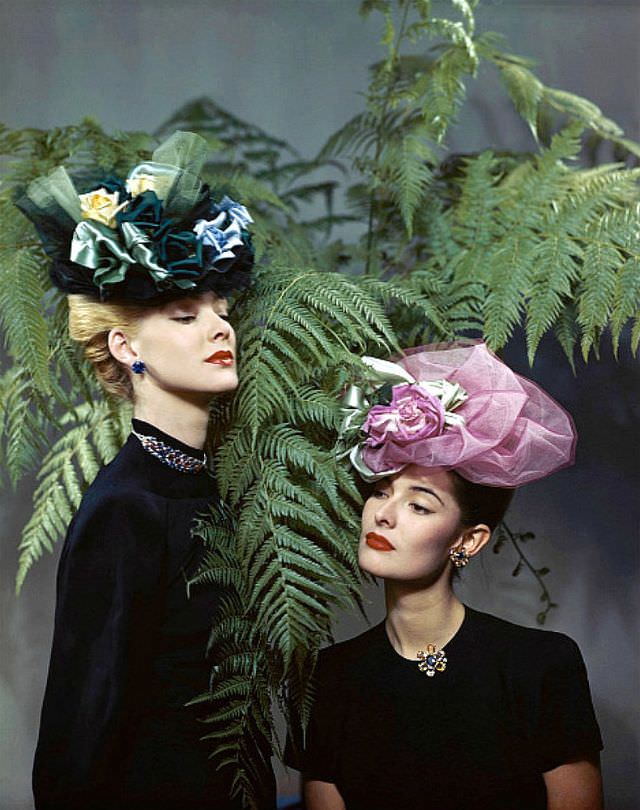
(513, 433)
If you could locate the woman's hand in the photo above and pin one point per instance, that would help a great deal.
(573, 786)
(322, 796)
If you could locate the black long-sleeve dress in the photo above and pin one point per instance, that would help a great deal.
(129, 647)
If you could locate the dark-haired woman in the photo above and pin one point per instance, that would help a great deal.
(441, 706)
(147, 265)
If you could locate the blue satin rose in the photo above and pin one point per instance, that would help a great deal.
(218, 241)
(236, 212)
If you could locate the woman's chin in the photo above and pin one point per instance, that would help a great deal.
(225, 382)
(373, 562)
(226, 387)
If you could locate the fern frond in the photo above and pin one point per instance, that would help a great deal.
(239, 720)
(474, 213)
(406, 164)
(626, 300)
(21, 312)
(357, 135)
(597, 288)
(511, 266)
(525, 89)
(554, 269)
(440, 92)
(63, 476)
(24, 428)
(567, 332)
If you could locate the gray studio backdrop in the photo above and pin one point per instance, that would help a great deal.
(295, 68)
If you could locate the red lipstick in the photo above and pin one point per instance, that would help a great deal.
(221, 358)
(378, 542)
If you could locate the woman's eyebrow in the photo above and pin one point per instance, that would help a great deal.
(183, 304)
(428, 491)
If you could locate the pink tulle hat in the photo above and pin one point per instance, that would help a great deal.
(456, 406)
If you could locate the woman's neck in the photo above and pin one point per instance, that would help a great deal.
(417, 616)
(184, 419)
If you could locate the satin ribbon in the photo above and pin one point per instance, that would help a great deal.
(222, 242)
(144, 211)
(355, 405)
(97, 247)
(237, 212)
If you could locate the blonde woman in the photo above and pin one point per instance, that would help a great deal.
(148, 264)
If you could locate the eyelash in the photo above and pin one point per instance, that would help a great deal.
(190, 318)
(421, 510)
(418, 508)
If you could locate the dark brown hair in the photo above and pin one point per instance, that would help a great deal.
(479, 503)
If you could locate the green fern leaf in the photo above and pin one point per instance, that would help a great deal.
(510, 274)
(626, 302)
(407, 164)
(597, 287)
(23, 425)
(21, 313)
(554, 269)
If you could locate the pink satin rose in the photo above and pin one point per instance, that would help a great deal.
(413, 414)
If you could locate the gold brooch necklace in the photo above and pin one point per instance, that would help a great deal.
(432, 660)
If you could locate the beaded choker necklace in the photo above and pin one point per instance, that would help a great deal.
(168, 455)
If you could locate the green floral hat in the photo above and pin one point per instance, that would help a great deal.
(155, 234)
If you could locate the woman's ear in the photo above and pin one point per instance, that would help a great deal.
(474, 538)
(120, 347)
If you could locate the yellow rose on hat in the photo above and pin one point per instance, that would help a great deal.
(101, 206)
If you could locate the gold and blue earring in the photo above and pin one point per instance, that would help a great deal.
(138, 367)
(459, 556)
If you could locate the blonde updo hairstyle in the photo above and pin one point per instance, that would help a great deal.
(90, 322)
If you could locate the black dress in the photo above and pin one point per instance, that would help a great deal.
(129, 647)
(512, 703)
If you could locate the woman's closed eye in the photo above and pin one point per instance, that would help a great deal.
(420, 509)
(184, 318)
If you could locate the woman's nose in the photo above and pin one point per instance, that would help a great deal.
(220, 328)
(385, 514)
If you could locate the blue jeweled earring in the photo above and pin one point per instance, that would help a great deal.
(459, 556)
(138, 367)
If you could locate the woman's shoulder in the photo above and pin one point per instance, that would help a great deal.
(118, 503)
(109, 499)
(123, 472)
(132, 480)
(117, 535)
(113, 492)
(343, 655)
(525, 648)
